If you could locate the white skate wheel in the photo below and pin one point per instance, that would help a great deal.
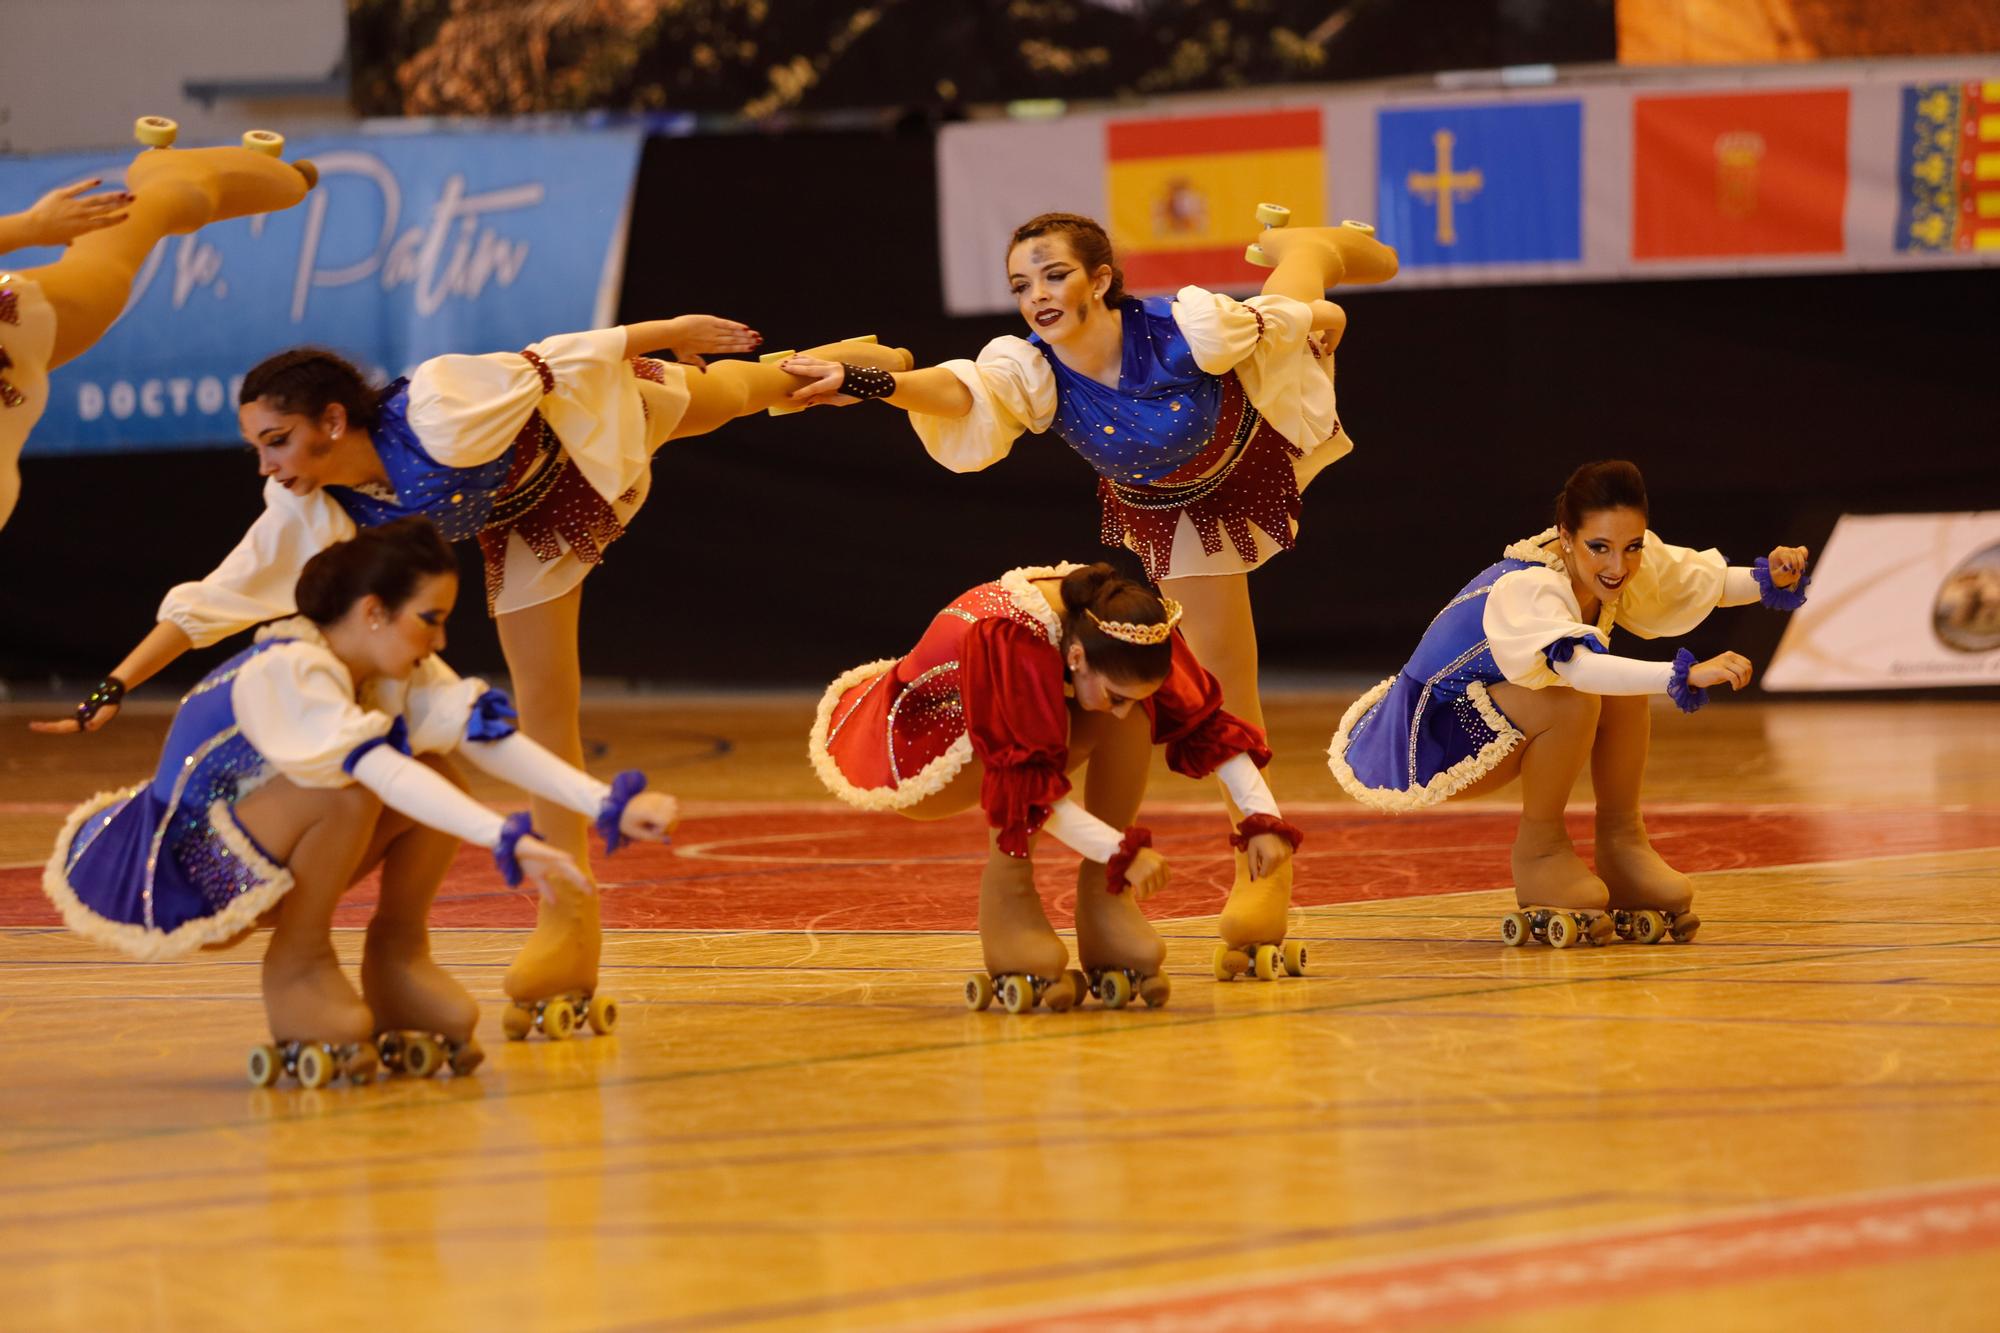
(1017, 994)
(156, 131)
(1273, 215)
(1255, 254)
(314, 1067)
(1514, 930)
(1114, 990)
(268, 142)
(978, 991)
(262, 1066)
(1648, 927)
(1365, 228)
(1562, 931)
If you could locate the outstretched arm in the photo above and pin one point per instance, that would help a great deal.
(154, 654)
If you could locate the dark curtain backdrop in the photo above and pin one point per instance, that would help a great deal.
(782, 551)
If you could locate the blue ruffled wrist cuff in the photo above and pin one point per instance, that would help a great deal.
(518, 826)
(1686, 697)
(1778, 599)
(492, 718)
(623, 788)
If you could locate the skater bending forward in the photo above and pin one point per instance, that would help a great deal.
(1015, 686)
(1514, 678)
(301, 764)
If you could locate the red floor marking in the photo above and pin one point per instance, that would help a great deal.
(1512, 1277)
(835, 869)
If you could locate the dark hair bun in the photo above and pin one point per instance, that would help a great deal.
(1101, 590)
(389, 562)
(306, 379)
(1608, 484)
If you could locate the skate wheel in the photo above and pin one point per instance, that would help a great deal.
(602, 1015)
(1229, 963)
(421, 1057)
(361, 1064)
(263, 1066)
(516, 1022)
(1079, 986)
(1294, 954)
(1561, 930)
(1267, 963)
(1017, 994)
(1114, 990)
(1685, 924)
(1155, 990)
(1061, 995)
(268, 142)
(1273, 215)
(978, 991)
(156, 131)
(467, 1058)
(308, 170)
(1365, 228)
(558, 1019)
(1515, 930)
(314, 1068)
(1648, 927)
(1254, 253)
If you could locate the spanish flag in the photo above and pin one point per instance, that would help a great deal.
(1184, 192)
(1948, 168)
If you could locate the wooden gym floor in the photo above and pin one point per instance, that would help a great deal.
(1787, 1124)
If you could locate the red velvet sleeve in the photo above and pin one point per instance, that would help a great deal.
(1012, 682)
(1189, 719)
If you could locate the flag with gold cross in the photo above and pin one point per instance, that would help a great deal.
(1482, 184)
(1183, 191)
(1948, 168)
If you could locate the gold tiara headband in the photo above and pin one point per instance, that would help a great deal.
(1145, 635)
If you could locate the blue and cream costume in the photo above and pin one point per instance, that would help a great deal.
(1432, 730)
(1223, 412)
(164, 867)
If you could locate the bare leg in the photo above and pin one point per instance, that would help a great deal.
(404, 986)
(1111, 931)
(1558, 725)
(1634, 872)
(731, 389)
(562, 954)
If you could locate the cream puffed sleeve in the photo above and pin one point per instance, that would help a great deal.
(295, 703)
(1266, 340)
(255, 582)
(1528, 611)
(1673, 590)
(1013, 390)
(466, 410)
(443, 708)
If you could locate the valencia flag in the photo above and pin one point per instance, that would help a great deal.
(1948, 168)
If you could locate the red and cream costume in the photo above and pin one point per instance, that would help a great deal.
(986, 682)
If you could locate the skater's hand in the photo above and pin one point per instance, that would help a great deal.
(689, 337)
(1787, 564)
(1147, 874)
(1731, 669)
(63, 214)
(551, 870)
(651, 816)
(822, 381)
(1266, 852)
(69, 726)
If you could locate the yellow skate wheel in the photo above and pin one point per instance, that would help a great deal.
(1267, 963)
(1254, 253)
(978, 991)
(268, 142)
(156, 131)
(603, 1015)
(1515, 930)
(1648, 927)
(263, 1066)
(1294, 954)
(517, 1022)
(360, 1063)
(1017, 994)
(558, 1019)
(1365, 228)
(1114, 990)
(1155, 990)
(1273, 215)
(1683, 926)
(467, 1057)
(1079, 986)
(1562, 931)
(314, 1067)
(421, 1057)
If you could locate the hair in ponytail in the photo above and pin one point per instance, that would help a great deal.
(1101, 590)
(389, 562)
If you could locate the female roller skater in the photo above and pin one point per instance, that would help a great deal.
(1202, 415)
(543, 455)
(51, 315)
(301, 764)
(1017, 684)
(1498, 689)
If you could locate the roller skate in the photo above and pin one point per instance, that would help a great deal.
(1024, 956)
(864, 349)
(421, 1054)
(1561, 902)
(214, 184)
(1121, 953)
(1351, 254)
(424, 1019)
(1253, 927)
(552, 986)
(313, 1063)
(306, 992)
(1650, 900)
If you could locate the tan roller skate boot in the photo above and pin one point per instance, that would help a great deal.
(860, 350)
(1561, 901)
(1253, 927)
(1348, 254)
(1024, 956)
(321, 1030)
(204, 185)
(1120, 952)
(552, 985)
(424, 1019)
(1650, 900)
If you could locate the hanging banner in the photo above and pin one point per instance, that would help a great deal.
(1898, 602)
(1494, 184)
(411, 246)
